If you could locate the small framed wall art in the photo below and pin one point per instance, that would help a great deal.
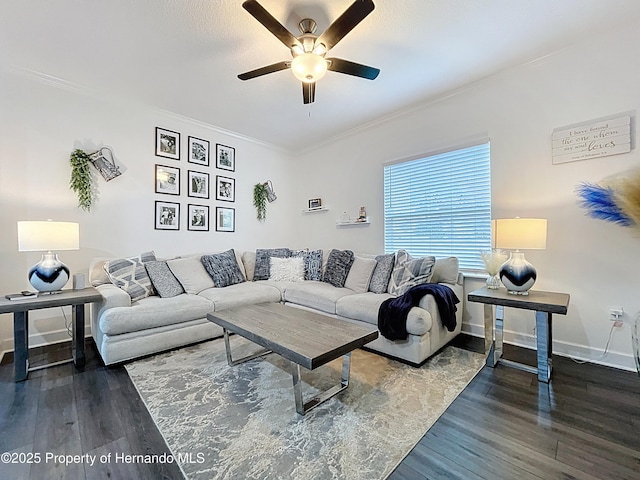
(167, 180)
(198, 184)
(167, 143)
(315, 203)
(225, 219)
(198, 151)
(225, 157)
(167, 216)
(225, 189)
(198, 218)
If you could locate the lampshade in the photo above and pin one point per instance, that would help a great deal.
(309, 67)
(521, 233)
(48, 235)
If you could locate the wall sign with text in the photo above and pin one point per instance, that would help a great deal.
(597, 138)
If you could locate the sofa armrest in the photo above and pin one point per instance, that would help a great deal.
(113, 297)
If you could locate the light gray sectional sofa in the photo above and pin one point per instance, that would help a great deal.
(126, 326)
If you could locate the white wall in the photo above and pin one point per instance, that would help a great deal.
(594, 261)
(44, 119)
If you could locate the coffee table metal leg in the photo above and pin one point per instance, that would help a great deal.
(230, 360)
(301, 406)
(544, 345)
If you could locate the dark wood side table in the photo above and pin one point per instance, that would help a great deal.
(21, 308)
(543, 303)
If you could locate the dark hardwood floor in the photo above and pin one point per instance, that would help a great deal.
(505, 425)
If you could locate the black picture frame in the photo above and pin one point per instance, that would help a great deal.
(225, 219)
(225, 157)
(315, 203)
(198, 218)
(167, 143)
(167, 215)
(198, 186)
(198, 151)
(167, 180)
(225, 189)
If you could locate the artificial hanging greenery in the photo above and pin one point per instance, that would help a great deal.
(81, 180)
(260, 200)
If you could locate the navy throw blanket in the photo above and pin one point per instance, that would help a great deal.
(393, 312)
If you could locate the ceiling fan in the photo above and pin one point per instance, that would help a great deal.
(308, 50)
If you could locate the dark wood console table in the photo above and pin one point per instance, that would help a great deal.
(21, 308)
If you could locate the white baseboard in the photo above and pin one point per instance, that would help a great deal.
(579, 353)
(42, 339)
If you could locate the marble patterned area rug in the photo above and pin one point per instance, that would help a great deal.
(240, 422)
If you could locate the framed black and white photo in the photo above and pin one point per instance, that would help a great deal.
(198, 151)
(225, 189)
(225, 219)
(225, 157)
(167, 216)
(198, 184)
(198, 218)
(167, 180)
(315, 203)
(167, 143)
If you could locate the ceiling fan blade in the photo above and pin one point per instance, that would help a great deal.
(308, 92)
(351, 17)
(352, 68)
(258, 72)
(274, 26)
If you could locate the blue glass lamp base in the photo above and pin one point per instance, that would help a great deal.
(49, 275)
(517, 274)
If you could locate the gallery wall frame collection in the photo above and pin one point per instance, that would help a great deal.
(168, 180)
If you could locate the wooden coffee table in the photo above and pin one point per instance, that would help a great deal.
(307, 339)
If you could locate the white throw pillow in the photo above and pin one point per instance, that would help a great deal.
(191, 274)
(360, 274)
(286, 269)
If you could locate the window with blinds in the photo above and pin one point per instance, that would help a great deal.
(440, 205)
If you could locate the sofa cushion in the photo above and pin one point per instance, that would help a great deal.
(382, 273)
(338, 266)
(191, 274)
(245, 293)
(318, 295)
(130, 275)
(409, 272)
(312, 263)
(223, 268)
(360, 274)
(365, 306)
(445, 270)
(152, 312)
(163, 280)
(287, 269)
(249, 262)
(263, 265)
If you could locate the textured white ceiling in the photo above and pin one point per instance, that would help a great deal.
(183, 55)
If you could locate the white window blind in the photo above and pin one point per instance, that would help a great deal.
(440, 205)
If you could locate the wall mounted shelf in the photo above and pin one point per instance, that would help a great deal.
(352, 224)
(314, 210)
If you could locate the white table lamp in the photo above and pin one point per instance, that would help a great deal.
(517, 274)
(50, 274)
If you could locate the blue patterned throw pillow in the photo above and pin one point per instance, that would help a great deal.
(382, 273)
(130, 275)
(312, 263)
(409, 272)
(223, 268)
(338, 266)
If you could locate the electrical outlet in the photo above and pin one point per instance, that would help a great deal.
(615, 315)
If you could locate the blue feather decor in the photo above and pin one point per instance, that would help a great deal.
(600, 203)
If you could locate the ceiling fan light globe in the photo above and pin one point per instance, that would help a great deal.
(309, 67)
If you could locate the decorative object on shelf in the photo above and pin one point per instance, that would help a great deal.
(104, 161)
(345, 217)
(225, 189)
(635, 342)
(362, 215)
(225, 157)
(517, 274)
(315, 203)
(167, 143)
(260, 200)
(225, 219)
(81, 179)
(50, 274)
(615, 200)
(198, 151)
(198, 184)
(198, 218)
(493, 260)
(167, 180)
(167, 216)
